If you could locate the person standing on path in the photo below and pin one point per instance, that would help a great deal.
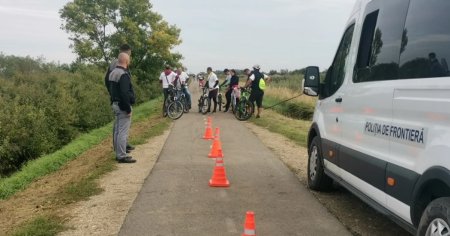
(234, 83)
(166, 79)
(257, 93)
(126, 49)
(122, 100)
(213, 85)
(184, 77)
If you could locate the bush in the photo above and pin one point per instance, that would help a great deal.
(44, 107)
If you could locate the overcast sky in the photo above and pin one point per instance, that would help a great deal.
(277, 34)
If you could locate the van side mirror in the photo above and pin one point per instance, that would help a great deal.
(311, 81)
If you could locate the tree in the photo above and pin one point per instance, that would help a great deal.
(99, 27)
(272, 72)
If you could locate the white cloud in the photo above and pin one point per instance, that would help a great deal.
(29, 12)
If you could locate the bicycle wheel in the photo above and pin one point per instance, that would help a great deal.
(244, 110)
(204, 105)
(185, 105)
(200, 103)
(233, 104)
(219, 101)
(175, 110)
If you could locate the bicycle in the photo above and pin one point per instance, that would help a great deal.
(173, 105)
(244, 108)
(235, 94)
(219, 99)
(182, 98)
(203, 101)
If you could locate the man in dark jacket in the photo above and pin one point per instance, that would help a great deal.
(126, 49)
(122, 97)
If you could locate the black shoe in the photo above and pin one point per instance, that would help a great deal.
(257, 116)
(225, 111)
(126, 160)
(129, 147)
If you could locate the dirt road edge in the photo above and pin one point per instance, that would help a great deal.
(104, 214)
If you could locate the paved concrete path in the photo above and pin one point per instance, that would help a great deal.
(176, 199)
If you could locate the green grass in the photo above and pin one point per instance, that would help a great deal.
(86, 186)
(156, 130)
(295, 130)
(52, 162)
(293, 109)
(41, 226)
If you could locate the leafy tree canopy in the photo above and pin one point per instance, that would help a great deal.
(99, 27)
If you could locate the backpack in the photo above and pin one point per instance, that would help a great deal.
(262, 84)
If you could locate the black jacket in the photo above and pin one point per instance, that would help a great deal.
(121, 89)
(111, 67)
(234, 81)
(255, 83)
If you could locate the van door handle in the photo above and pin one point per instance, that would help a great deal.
(339, 100)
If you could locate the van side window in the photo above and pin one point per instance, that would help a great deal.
(426, 40)
(380, 43)
(336, 73)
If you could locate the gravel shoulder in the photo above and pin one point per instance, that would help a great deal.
(104, 214)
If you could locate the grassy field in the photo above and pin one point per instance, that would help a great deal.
(291, 119)
(280, 90)
(294, 129)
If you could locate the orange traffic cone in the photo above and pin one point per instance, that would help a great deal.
(249, 225)
(208, 132)
(216, 148)
(219, 177)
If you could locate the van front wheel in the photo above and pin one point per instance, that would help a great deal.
(436, 218)
(317, 179)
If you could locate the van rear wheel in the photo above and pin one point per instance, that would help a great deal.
(436, 218)
(317, 179)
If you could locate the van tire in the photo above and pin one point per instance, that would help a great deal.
(436, 213)
(317, 179)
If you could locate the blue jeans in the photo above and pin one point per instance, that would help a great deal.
(188, 95)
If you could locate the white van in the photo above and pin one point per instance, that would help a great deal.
(381, 126)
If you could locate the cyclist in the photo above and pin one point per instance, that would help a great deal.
(201, 81)
(247, 72)
(166, 78)
(232, 87)
(184, 77)
(226, 82)
(227, 78)
(257, 93)
(213, 86)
